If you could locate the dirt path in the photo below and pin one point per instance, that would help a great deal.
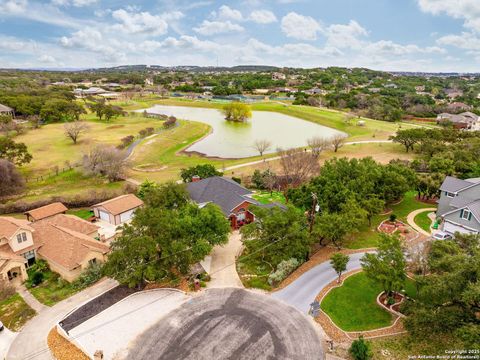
(223, 269)
(411, 220)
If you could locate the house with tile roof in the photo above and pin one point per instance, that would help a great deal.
(459, 205)
(118, 210)
(68, 243)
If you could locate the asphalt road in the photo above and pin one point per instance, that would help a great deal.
(230, 323)
(302, 292)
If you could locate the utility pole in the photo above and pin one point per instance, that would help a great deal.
(313, 211)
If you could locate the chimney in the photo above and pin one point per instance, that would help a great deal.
(196, 178)
(98, 355)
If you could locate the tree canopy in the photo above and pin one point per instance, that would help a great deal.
(16, 153)
(203, 171)
(236, 111)
(165, 238)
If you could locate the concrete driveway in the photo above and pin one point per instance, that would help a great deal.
(6, 339)
(115, 328)
(223, 269)
(302, 292)
(31, 342)
(230, 323)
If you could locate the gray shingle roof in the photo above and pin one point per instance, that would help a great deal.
(475, 208)
(224, 192)
(453, 185)
(460, 201)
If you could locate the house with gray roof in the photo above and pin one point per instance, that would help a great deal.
(232, 198)
(459, 205)
(466, 120)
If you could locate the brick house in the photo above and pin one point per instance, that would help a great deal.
(231, 197)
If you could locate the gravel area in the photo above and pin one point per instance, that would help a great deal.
(62, 349)
(96, 306)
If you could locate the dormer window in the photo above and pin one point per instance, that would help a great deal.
(466, 214)
(22, 237)
(449, 194)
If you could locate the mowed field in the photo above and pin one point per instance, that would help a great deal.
(160, 158)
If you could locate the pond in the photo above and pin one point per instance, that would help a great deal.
(231, 140)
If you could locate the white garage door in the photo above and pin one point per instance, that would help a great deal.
(126, 216)
(104, 216)
(452, 229)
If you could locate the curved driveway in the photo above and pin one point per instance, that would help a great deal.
(303, 291)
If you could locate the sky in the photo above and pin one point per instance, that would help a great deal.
(395, 35)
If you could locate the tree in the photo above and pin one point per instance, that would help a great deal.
(164, 239)
(74, 129)
(106, 161)
(203, 171)
(408, 137)
(56, 110)
(360, 349)
(387, 266)
(339, 263)
(111, 112)
(16, 153)
(338, 141)
(373, 206)
(297, 167)
(317, 144)
(262, 145)
(277, 234)
(146, 188)
(448, 302)
(11, 182)
(236, 111)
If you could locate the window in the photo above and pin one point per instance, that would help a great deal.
(29, 254)
(21, 237)
(92, 262)
(466, 214)
(449, 194)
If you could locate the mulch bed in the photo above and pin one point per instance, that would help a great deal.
(432, 201)
(96, 306)
(62, 349)
(397, 297)
(400, 228)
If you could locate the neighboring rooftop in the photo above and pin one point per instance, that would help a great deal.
(10, 225)
(121, 204)
(5, 109)
(222, 191)
(46, 211)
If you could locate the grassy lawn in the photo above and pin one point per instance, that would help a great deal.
(81, 213)
(403, 346)
(14, 312)
(410, 288)
(423, 220)
(353, 306)
(251, 266)
(265, 197)
(368, 236)
(52, 290)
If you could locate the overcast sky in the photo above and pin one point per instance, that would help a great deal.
(410, 35)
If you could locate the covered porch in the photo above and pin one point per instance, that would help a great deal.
(240, 218)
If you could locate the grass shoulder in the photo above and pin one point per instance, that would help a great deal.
(14, 312)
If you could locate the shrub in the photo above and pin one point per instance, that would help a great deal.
(142, 133)
(237, 179)
(150, 130)
(127, 140)
(37, 278)
(90, 276)
(392, 217)
(360, 349)
(171, 121)
(285, 268)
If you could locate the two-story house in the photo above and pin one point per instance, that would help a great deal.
(459, 205)
(17, 248)
(69, 244)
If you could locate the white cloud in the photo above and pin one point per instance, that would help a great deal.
(76, 3)
(143, 22)
(49, 59)
(227, 13)
(300, 27)
(262, 17)
(346, 36)
(466, 41)
(217, 27)
(387, 47)
(13, 6)
(469, 10)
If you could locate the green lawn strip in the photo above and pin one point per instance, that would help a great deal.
(404, 346)
(260, 271)
(53, 289)
(411, 288)
(368, 236)
(267, 197)
(81, 213)
(14, 312)
(353, 306)
(423, 220)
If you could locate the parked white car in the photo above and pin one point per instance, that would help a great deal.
(440, 235)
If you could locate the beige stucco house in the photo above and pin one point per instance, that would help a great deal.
(68, 243)
(118, 210)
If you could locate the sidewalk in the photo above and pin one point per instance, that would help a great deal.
(411, 220)
(30, 299)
